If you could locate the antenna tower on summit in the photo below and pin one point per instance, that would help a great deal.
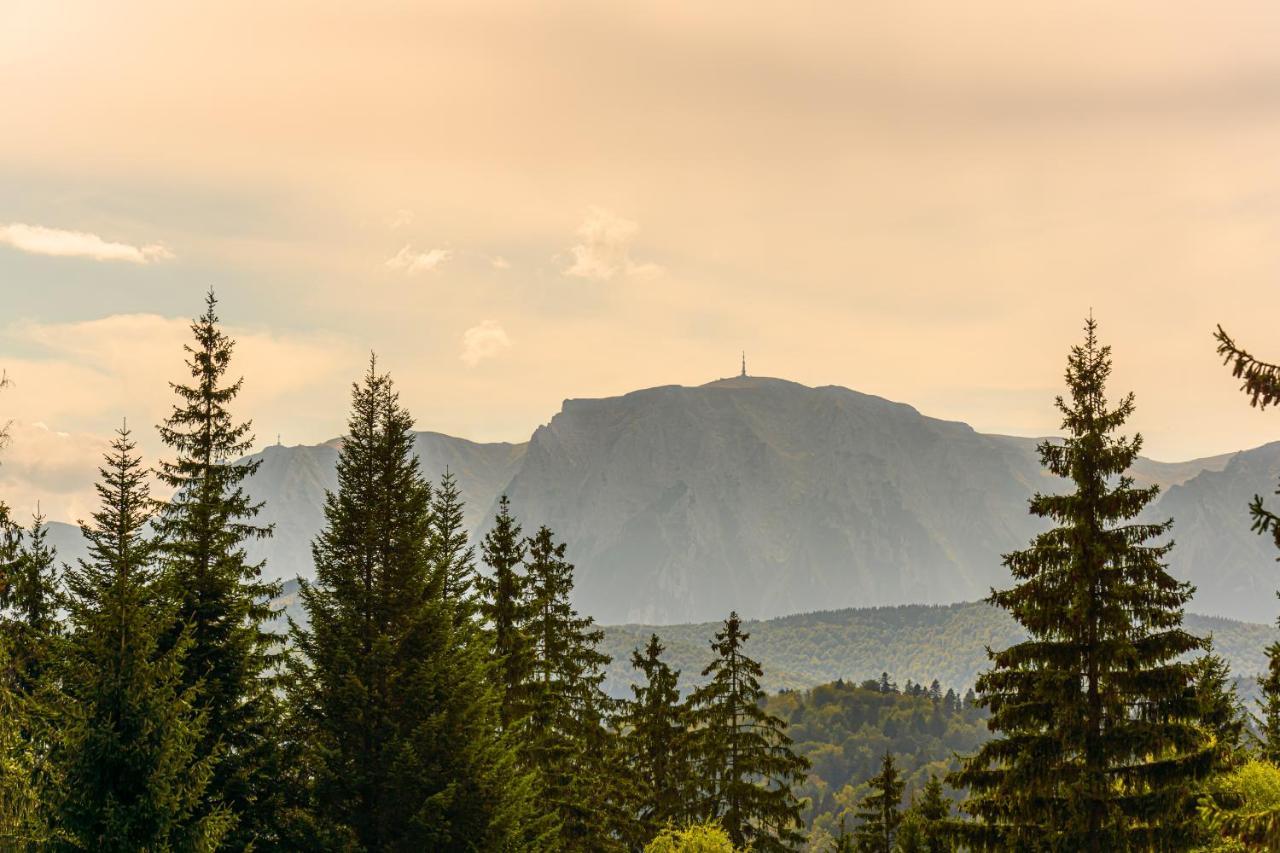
(744, 364)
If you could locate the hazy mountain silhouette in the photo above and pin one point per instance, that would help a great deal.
(680, 503)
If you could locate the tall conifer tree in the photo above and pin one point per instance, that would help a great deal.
(30, 602)
(220, 594)
(745, 766)
(1100, 742)
(655, 746)
(402, 719)
(880, 812)
(504, 607)
(452, 555)
(569, 742)
(132, 771)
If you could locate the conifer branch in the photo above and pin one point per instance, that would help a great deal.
(1261, 380)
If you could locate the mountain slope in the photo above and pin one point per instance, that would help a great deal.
(769, 497)
(764, 495)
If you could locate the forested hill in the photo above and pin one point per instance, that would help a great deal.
(917, 642)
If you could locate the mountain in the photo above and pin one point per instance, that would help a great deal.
(769, 497)
(916, 642)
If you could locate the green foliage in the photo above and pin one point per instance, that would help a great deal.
(133, 776)
(1221, 712)
(452, 557)
(391, 691)
(1101, 741)
(745, 764)
(1241, 809)
(220, 595)
(24, 770)
(879, 814)
(655, 747)
(568, 741)
(504, 607)
(29, 605)
(844, 730)
(698, 838)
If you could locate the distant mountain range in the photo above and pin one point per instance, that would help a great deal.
(770, 497)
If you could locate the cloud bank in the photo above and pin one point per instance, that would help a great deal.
(39, 240)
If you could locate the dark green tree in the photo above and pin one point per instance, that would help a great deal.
(1221, 712)
(452, 556)
(1100, 741)
(879, 811)
(220, 595)
(504, 607)
(1269, 707)
(393, 692)
(655, 747)
(933, 810)
(569, 741)
(133, 776)
(744, 763)
(30, 602)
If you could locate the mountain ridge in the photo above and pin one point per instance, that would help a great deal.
(678, 503)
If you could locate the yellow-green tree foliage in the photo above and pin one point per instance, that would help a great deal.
(698, 838)
(1241, 809)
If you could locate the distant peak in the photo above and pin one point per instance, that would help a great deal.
(744, 381)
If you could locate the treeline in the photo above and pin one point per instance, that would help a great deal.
(845, 729)
(437, 697)
(421, 705)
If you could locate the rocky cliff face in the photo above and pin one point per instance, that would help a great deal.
(769, 497)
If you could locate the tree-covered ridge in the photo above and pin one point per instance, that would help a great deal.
(845, 728)
(919, 642)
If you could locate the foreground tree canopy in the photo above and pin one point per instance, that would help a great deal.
(426, 702)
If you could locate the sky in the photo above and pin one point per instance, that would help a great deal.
(517, 203)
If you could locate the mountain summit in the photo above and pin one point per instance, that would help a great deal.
(770, 497)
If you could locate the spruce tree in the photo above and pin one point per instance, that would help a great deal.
(1269, 707)
(569, 742)
(879, 810)
(934, 810)
(655, 746)
(220, 595)
(745, 766)
(30, 605)
(393, 693)
(1100, 744)
(1221, 713)
(453, 557)
(133, 775)
(505, 609)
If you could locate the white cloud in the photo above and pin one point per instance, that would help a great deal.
(39, 240)
(605, 248)
(400, 219)
(412, 262)
(499, 263)
(486, 340)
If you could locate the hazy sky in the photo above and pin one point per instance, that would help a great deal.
(518, 203)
